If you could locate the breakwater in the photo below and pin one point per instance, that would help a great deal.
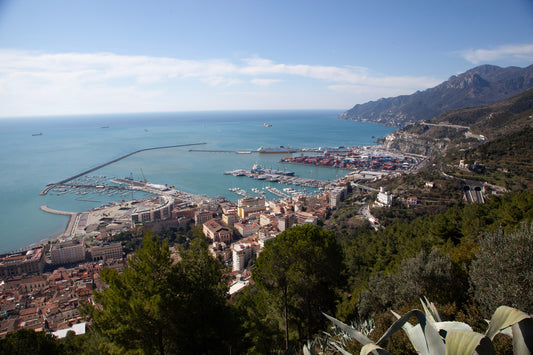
(223, 151)
(51, 186)
(74, 217)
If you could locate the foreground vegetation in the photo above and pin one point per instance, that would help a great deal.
(469, 260)
(432, 336)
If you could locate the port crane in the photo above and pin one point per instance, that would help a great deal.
(144, 178)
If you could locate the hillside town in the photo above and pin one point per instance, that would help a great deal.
(42, 287)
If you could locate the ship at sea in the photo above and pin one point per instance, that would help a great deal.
(278, 150)
(257, 169)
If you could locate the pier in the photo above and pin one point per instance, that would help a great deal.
(280, 178)
(222, 151)
(64, 181)
(73, 221)
(45, 208)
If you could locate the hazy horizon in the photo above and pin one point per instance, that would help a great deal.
(69, 58)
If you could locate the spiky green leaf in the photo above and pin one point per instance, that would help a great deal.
(376, 349)
(427, 339)
(350, 331)
(431, 310)
(340, 349)
(502, 318)
(461, 342)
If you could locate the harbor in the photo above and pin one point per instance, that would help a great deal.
(85, 145)
(286, 192)
(64, 181)
(273, 183)
(279, 176)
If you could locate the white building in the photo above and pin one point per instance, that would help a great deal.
(336, 195)
(384, 197)
(242, 253)
(156, 209)
(68, 252)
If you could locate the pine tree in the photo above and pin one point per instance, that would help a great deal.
(299, 271)
(155, 307)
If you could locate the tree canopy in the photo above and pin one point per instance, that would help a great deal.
(155, 306)
(298, 272)
(502, 272)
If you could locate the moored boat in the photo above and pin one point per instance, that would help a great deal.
(276, 150)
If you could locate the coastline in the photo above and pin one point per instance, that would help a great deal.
(74, 216)
(235, 131)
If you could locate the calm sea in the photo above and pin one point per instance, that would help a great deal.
(69, 145)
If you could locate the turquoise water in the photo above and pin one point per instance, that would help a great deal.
(69, 145)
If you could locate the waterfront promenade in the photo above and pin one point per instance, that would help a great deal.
(74, 216)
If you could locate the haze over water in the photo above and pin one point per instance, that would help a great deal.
(69, 145)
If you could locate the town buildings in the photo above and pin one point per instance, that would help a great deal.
(33, 299)
(242, 254)
(50, 301)
(249, 205)
(156, 209)
(105, 251)
(27, 262)
(68, 252)
(215, 231)
(200, 217)
(246, 229)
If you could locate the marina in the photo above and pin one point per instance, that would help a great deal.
(64, 181)
(289, 179)
(286, 193)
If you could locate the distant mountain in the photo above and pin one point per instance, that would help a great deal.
(465, 128)
(481, 85)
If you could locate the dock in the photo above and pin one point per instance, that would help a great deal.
(222, 151)
(280, 178)
(64, 181)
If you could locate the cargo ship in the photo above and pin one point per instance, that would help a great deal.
(276, 150)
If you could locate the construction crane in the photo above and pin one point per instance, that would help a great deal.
(144, 178)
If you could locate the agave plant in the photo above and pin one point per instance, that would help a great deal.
(432, 336)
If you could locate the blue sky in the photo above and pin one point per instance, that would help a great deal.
(83, 57)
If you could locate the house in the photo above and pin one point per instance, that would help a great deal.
(33, 283)
(217, 232)
(200, 217)
(246, 229)
(384, 197)
(412, 200)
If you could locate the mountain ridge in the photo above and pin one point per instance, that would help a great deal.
(465, 128)
(482, 85)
